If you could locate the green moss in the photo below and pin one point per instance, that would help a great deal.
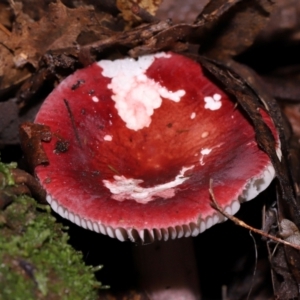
(5, 170)
(36, 262)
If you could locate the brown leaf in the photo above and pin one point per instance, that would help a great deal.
(285, 287)
(5, 15)
(181, 11)
(127, 9)
(293, 259)
(31, 136)
(283, 88)
(236, 30)
(59, 28)
(10, 75)
(293, 114)
(284, 23)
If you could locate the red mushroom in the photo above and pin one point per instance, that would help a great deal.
(135, 143)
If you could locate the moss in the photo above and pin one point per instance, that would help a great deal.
(5, 170)
(36, 262)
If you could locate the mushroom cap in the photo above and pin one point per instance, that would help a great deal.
(135, 143)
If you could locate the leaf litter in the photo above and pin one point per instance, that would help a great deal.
(38, 49)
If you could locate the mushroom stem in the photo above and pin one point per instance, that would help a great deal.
(167, 270)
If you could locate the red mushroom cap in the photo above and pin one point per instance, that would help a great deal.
(135, 143)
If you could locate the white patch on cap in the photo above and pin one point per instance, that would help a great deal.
(193, 115)
(128, 188)
(95, 99)
(204, 152)
(213, 103)
(108, 137)
(162, 54)
(204, 134)
(136, 96)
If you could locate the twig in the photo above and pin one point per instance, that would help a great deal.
(5, 30)
(143, 14)
(238, 222)
(255, 267)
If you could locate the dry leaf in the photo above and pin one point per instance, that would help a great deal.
(237, 29)
(59, 28)
(126, 8)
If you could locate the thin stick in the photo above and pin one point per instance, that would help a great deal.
(238, 222)
(143, 14)
(5, 30)
(255, 266)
